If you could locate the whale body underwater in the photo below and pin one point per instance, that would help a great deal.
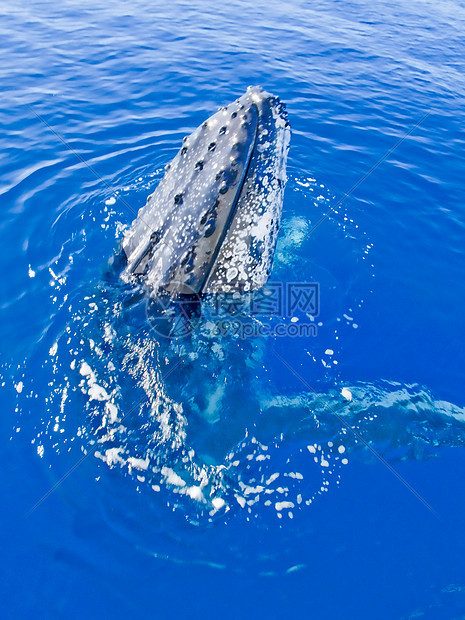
(212, 223)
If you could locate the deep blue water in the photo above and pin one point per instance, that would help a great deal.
(96, 98)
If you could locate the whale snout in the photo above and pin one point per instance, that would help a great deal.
(212, 222)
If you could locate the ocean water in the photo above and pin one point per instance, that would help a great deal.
(312, 476)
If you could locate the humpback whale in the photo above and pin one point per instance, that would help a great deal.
(211, 224)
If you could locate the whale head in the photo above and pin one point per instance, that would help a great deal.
(211, 224)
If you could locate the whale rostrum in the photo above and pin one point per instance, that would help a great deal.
(211, 224)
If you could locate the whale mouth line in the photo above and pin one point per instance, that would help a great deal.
(145, 254)
(233, 210)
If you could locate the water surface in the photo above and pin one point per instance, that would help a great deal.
(208, 476)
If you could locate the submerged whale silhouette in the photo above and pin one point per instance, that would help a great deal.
(212, 223)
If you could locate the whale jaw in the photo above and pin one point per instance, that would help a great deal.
(211, 225)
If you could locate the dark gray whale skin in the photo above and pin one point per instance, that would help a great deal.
(211, 224)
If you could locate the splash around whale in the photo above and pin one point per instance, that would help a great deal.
(212, 223)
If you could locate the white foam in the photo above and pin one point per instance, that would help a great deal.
(112, 456)
(97, 392)
(346, 393)
(282, 505)
(249, 490)
(218, 502)
(139, 463)
(112, 411)
(172, 477)
(85, 370)
(272, 478)
(196, 493)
